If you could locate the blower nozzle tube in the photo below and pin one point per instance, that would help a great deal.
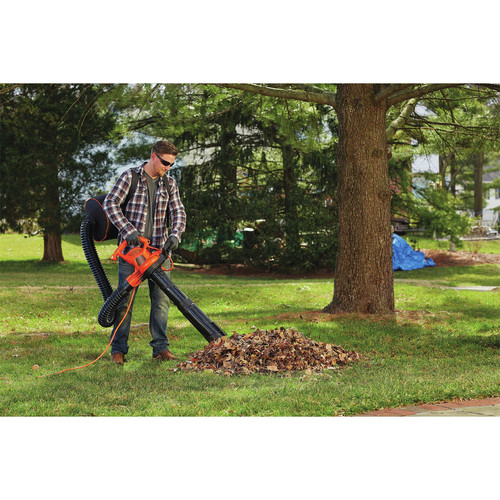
(210, 330)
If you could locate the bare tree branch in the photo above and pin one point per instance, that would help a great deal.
(310, 88)
(410, 93)
(465, 131)
(317, 95)
(455, 124)
(449, 107)
(401, 120)
(391, 89)
(490, 86)
(9, 89)
(394, 93)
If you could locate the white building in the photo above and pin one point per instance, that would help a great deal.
(490, 215)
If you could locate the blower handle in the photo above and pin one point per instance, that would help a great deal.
(139, 257)
(119, 251)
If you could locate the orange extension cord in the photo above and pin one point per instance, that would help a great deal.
(111, 340)
(103, 352)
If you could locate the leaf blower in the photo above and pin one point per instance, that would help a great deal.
(147, 262)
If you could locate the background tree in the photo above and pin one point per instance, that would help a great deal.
(459, 126)
(55, 150)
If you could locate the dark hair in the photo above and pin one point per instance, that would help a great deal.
(165, 148)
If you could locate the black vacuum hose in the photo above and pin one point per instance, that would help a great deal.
(112, 300)
(107, 314)
(87, 237)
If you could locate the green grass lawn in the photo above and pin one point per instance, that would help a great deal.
(441, 345)
(480, 246)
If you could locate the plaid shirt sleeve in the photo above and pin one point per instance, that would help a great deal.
(113, 201)
(176, 211)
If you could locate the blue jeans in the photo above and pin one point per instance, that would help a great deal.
(158, 316)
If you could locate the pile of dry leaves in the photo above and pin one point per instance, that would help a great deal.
(267, 351)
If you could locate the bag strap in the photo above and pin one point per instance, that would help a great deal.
(167, 185)
(133, 187)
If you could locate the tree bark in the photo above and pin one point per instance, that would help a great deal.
(442, 171)
(478, 184)
(50, 219)
(453, 176)
(52, 248)
(363, 275)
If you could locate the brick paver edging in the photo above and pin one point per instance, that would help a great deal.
(412, 410)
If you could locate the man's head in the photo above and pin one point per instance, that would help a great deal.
(162, 157)
(165, 148)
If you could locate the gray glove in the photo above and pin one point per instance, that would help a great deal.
(171, 244)
(133, 240)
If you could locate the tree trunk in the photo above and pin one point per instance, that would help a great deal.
(453, 175)
(363, 275)
(52, 248)
(292, 248)
(50, 220)
(478, 184)
(442, 171)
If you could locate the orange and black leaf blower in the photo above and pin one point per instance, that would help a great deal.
(147, 262)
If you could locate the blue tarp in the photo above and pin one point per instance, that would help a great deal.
(404, 258)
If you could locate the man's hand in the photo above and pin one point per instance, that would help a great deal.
(171, 244)
(133, 240)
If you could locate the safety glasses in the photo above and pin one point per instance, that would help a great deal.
(165, 163)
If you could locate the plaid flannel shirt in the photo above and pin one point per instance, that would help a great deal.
(134, 216)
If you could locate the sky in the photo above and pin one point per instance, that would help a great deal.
(428, 163)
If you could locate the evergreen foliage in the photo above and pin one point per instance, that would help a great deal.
(55, 150)
(259, 176)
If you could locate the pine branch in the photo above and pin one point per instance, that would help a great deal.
(315, 94)
(467, 131)
(142, 122)
(456, 125)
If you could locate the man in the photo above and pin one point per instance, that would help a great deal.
(155, 200)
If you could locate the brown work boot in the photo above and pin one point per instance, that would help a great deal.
(165, 355)
(117, 358)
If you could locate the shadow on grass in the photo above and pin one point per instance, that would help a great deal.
(470, 343)
(463, 303)
(36, 267)
(480, 275)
